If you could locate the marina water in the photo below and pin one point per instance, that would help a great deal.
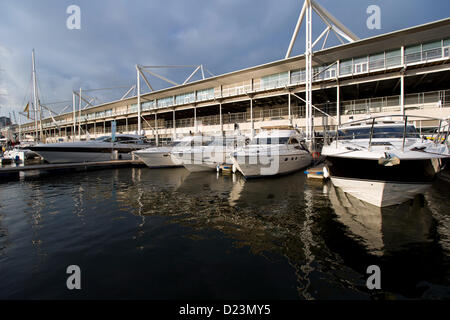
(138, 233)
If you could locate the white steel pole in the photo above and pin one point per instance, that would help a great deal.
(79, 116)
(35, 103)
(251, 118)
(138, 84)
(297, 28)
(74, 117)
(402, 93)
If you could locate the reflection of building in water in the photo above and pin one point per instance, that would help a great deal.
(382, 230)
(270, 216)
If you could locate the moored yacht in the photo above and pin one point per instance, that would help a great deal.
(383, 160)
(190, 153)
(20, 153)
(215, 153)
(272, 152)
(100, 149)
(159, 157)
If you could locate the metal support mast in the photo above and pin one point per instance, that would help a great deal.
(138, 86)
(308, 58)
(35, 98)
(332, 24)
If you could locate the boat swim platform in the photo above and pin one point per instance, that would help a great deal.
(37, 171)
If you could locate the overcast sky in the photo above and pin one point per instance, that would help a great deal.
(223, 35)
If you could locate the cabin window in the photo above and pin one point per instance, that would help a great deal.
(275, 140)
(378, 132)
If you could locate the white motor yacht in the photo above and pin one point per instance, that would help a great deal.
(190, 153)
(272, 152)
(215, 153)
(383, 160)
(100, 149)
(160, 157)
(20, 153)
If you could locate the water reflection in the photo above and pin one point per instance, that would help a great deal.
(381, 230)
(324, 237)
(275, 216)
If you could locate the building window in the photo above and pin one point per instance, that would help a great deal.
(205, 94)
(275, 80)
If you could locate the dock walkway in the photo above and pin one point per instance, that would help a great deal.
(35, 171)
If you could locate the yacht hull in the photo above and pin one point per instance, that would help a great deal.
(411, 171)
(257, 166)
(380, 185)
(158, 160)
(69, 157)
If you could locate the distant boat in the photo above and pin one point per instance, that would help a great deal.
(272, 152)
(100, 149)
(189, 152)
(160, 157)
(20, 153)
(383, 161)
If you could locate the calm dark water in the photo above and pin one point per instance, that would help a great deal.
(168, 234)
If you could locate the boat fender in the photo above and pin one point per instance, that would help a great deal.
(326, 174)
(218, 168)
(234, 168)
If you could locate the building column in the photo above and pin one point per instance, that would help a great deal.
(126, 124)
(156, 129)
(338, 104)
(402, 93)
(289, 107)
(104, 126)
(220, 117)
(174, 133)
(195, 119)
(251, 118)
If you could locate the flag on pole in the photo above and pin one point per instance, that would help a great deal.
(27, 110)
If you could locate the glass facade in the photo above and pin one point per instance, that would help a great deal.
(418, 53)
(185, 98)
(275, 80)
(165, 102)
(205, 94)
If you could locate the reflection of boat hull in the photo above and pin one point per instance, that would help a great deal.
(382, 230)
(257, 166)
(380, 193)
(200, 167)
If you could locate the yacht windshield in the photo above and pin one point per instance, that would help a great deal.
(222, 142)
(104, 139)
(378, 132)
(193, 143)
(273, 140)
